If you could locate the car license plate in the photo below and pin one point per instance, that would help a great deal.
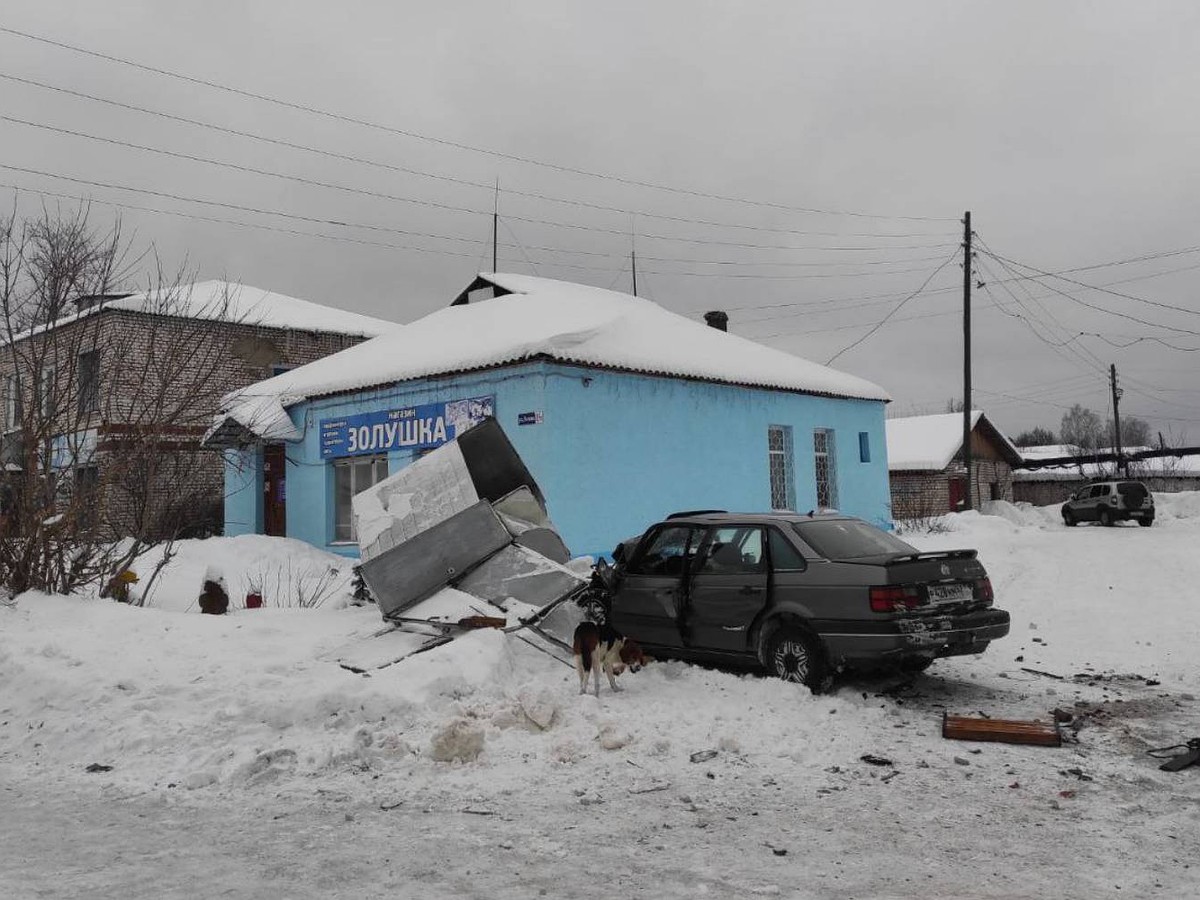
(949, 593)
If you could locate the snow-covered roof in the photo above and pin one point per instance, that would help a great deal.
(929, 443)
(571, 323)
(227, 301)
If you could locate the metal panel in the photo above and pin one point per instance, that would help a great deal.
(521, 573)
(411, 571)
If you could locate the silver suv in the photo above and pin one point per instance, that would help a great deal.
(1109, 502)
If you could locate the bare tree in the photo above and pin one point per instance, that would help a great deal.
(1036, 437)
(1082, 429)
(103, 409)
(1135, 432)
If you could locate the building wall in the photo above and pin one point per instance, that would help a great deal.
(612, 452)
(149, 367)
(920, 495)
(1054, 491)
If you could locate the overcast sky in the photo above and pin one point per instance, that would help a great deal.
(1069, 129)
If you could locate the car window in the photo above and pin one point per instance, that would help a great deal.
(1133, 491)
(668, 551)
(848, 538)
(784, 557)
(735, 550)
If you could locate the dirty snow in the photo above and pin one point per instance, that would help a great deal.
(244, 761)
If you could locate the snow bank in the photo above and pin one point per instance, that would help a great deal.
(287, 572)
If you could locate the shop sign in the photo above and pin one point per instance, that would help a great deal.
(411, 428)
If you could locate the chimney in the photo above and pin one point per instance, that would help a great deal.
(717, 319)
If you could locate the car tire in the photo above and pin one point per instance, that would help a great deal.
(1106, 518)
(795, 655)
(1147, 522)
(1069, 518)
(915, 665)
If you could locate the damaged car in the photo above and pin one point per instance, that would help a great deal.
(802, 596)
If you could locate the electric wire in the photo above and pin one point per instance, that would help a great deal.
(406, 170)
(897, 308)
(511, 157)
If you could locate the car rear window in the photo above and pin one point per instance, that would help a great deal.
(849, 539)
(1132, 491)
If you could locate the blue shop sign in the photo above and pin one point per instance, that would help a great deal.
(412, 428)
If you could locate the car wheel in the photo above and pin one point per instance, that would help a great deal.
(1106, 518)
(1147, 522)
(796, 656)
(915, 665)
(1068, 518)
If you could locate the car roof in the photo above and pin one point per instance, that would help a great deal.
(755, 518)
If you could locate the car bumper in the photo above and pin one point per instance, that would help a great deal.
(894, 639)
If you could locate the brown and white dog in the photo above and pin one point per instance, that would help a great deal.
(601, 648)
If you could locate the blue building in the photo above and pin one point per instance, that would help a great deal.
(623, 412)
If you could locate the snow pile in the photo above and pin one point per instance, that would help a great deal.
(285, 571)
(1182, 505)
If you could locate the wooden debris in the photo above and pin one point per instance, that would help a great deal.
(483, 622)
(1007, 731)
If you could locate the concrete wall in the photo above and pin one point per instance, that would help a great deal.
(613, 452)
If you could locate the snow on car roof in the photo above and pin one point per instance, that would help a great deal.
(929, 443)
(227, 301)
(571, 323)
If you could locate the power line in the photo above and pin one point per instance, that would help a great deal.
(406, 170)
(1102, 309)
(1092, 287)
(511, 157)
(381, 244)
(897, 308)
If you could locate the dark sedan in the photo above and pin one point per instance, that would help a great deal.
(802, 596)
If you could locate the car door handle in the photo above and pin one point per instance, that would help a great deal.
(750, 590)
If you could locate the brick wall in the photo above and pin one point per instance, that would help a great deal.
(161, 376)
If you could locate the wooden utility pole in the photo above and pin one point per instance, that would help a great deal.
(1116, 398)
(633, 266)
(496, 228)
(966, 445)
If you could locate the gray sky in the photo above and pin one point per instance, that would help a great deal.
(1068, 129)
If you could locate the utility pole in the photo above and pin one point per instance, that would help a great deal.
(633, 251)
(496, 228)
(1116, 397)
(966, 445)
(633, 266)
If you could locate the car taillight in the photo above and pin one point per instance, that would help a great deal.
(986, 594)
(894, 599)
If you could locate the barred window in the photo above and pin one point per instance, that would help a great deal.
(826, 470)
(779, 459)
(353, 476)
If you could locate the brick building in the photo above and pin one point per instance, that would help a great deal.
(102, 410)
(925, 464)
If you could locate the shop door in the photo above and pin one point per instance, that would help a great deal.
(274, 490)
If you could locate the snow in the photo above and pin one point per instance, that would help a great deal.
(567, 322)
(928, 443)
(1185, 465)
(241, 752)
(231, 302)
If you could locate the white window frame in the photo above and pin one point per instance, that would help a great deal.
(825, 461)
(781, 468)
(350, 464)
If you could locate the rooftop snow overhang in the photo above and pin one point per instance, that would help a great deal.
(526, 319)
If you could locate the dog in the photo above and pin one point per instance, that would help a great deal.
(601, 648)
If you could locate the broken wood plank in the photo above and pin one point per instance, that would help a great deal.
(1007, 731)
(482, 621)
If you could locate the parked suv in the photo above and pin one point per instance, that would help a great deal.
(1108, 502)
(802, 596)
